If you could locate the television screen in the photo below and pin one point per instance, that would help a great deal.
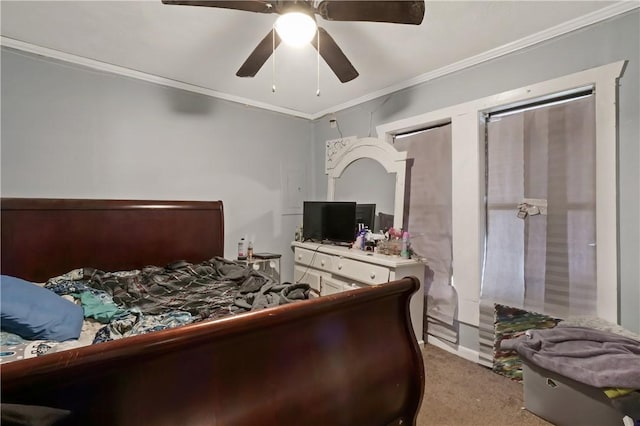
(366, 215)
(385, 221)
(339, 222)
(312, 220)
(332, 221)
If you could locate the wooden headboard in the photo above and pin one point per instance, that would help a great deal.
(43, 238)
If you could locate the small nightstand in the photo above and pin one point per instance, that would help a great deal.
(267, 263)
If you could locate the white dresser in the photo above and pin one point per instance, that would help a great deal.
(333, 269)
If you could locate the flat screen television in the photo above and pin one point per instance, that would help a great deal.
(366, 215)
(329, 221)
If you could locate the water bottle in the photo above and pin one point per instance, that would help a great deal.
(241, 253)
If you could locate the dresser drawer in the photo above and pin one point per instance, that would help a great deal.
(360, 271)
(330, 286)
(313, 258)
(344, 283)
(302, 274)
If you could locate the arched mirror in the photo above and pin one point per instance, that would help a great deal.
(371, 172)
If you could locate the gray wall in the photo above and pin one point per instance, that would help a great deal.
(78, 133)
(600, 44)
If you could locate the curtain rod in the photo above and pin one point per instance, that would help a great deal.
(540, 103)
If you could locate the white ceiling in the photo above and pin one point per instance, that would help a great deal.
(201, 48)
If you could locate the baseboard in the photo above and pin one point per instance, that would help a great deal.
(455, 349)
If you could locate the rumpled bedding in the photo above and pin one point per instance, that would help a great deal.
(205, 290)
(596, 358)
(155, 298)
(14, 347)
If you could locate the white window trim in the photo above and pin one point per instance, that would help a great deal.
(468, 216)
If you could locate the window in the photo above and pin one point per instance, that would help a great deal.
(541, 218)
(468, 191)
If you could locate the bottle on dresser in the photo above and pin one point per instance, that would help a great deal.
(250, 251)
(241, 254)
(405, 252)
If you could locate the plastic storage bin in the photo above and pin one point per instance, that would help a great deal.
(563, 401)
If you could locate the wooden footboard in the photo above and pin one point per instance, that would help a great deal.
(344, 359)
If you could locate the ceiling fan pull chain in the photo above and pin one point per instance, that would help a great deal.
(318, 69)
(273, 64)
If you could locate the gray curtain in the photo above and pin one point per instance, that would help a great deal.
(428, 220)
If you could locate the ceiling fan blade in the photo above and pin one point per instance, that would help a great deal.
(397, 12)
(260, 6)
(259, 56)
(334, 57)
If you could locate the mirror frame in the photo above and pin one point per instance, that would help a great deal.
(342, 152)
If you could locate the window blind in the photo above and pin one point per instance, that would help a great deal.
(542, 158)
(428, 220)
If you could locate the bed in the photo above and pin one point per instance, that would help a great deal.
(344, 359)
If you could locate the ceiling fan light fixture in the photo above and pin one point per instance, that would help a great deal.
(296, 28)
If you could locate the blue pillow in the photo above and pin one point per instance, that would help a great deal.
(34, 312)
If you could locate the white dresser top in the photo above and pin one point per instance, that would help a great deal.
(356, 254)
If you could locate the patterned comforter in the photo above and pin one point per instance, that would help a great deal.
(156, 298)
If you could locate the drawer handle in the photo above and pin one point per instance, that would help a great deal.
(299, 257)
(322, 262)
(372, 275)
(339, 266)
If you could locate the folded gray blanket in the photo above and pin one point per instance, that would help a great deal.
(593, 357)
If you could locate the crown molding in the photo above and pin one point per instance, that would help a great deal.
(564, 28)
(139, 75)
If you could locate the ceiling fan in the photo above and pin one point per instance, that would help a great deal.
(395, 12)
